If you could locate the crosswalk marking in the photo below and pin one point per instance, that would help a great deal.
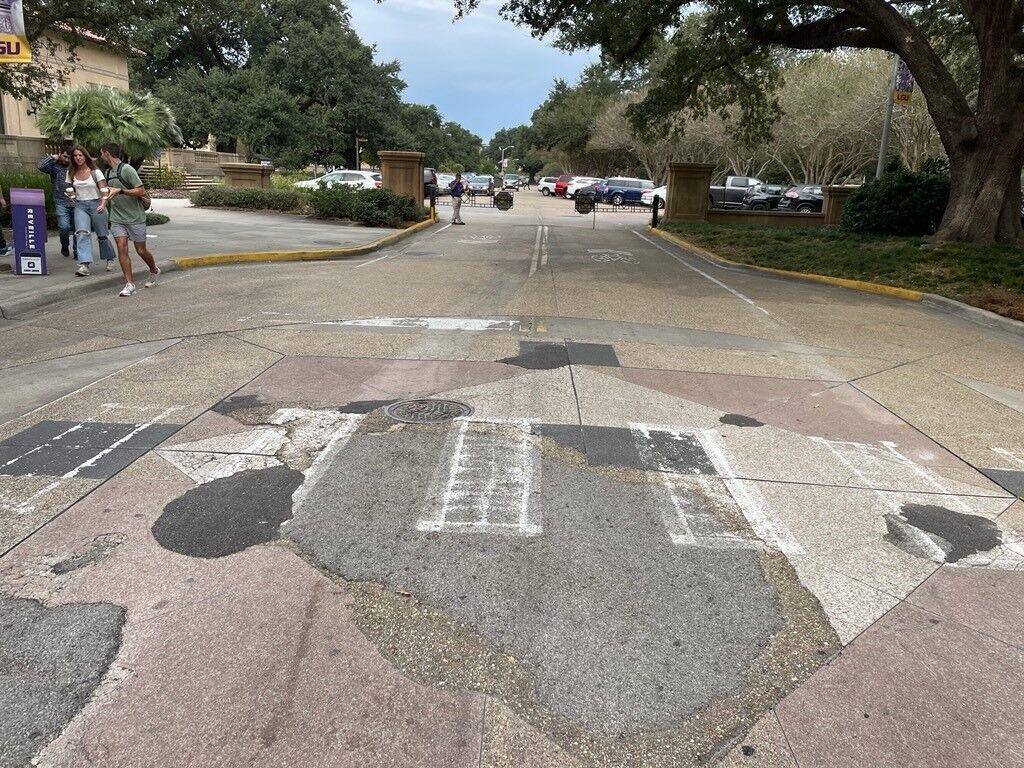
(491, 480)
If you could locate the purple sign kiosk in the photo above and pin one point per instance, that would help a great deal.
(28, 220)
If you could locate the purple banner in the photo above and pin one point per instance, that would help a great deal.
(28, 220)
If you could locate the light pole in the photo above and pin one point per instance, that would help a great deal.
(883, 150)
(503, 151)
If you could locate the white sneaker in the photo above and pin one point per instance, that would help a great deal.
(152, 278)
(83, 270)
(128, 290)
(110, 266)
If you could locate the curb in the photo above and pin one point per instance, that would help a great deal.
(857, 285)
(214, 259)
(54, 294)
(941, 303)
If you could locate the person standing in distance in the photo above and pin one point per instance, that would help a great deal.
(457, 189)
(127, 216)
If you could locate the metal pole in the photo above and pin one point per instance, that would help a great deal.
(887, 126)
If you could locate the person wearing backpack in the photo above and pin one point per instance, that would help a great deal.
(128, 205)
(88, 188)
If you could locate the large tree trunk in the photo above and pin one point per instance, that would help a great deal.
(985, 194)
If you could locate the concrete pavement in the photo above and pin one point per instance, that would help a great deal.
(686, 516)
(190, 232)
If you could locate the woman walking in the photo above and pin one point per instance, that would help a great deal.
(90, 194)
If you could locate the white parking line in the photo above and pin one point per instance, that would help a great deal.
(403, 250)
(535, 254)
(703, 274)
(544, 249)
(491, 477)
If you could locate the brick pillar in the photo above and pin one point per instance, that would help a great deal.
(402, 173)
(835, 201)
(688, 185)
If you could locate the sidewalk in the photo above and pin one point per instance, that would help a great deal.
(190, 232)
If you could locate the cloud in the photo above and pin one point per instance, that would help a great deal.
(481, 71)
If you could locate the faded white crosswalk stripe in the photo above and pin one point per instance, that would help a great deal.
(490, 481)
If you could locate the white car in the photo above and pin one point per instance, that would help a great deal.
(546, 186)
(647, 198)
(357, 179)
(580, 181)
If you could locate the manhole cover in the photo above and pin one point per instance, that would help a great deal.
(427, 411)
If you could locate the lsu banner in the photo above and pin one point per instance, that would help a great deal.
(903, 90)
(13, 41)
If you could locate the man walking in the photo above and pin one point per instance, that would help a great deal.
(457, 189)
(56, 167)
(127, 216)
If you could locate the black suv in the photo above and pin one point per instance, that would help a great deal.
(807, 198)
(763, 197)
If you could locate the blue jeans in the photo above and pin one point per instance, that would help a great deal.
(87, 219)
(65, 213)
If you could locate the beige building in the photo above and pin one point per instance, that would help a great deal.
(21, 143)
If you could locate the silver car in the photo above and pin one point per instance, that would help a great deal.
(480, 185)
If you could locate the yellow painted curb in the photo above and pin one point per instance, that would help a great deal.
(212, 259)
(857, 285)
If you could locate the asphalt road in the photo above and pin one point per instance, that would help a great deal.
(675, 515)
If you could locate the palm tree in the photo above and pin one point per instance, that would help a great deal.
(95, 115)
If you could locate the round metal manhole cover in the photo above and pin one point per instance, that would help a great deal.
(428, 411)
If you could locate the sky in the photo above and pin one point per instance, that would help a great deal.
(481, 71)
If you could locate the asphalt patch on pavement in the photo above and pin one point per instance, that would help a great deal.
(229, 405)
(739, 420)
(230, 514)
(1008, 479)
(97, 550)
(592, 354)
(539, 356)
(92, 450)
(596, 628)
(957, 534)
(51, 660)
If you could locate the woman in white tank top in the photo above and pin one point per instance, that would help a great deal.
(89, 188)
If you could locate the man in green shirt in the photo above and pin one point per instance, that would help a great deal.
(127, 216)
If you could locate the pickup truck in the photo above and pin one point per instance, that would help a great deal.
(730, 194)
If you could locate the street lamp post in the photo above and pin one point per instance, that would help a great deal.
(503, 151)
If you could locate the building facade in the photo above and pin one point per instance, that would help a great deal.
(21, 143)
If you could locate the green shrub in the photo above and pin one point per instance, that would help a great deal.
(902, 202)
(222, 196)
(373, 207)
(27, 180)
(155, 219)
(332, 202)
(167, 178)
(285, 179)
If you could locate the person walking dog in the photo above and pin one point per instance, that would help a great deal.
(128, 203)
(457, 189)
(56, 167)
(88, 190)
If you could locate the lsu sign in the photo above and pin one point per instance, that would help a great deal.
(13, 40)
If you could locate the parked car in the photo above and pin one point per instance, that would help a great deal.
(562, 183)
(357, 179)
(621, 190)
(580, 181)
(510, 181)
(444, 180)
(480, 185)
(730, 194)
(647, 198)
(588, 191)
(546, 186)
(764, 197)
(807, 198)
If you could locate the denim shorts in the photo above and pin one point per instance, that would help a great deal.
(134, 232)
